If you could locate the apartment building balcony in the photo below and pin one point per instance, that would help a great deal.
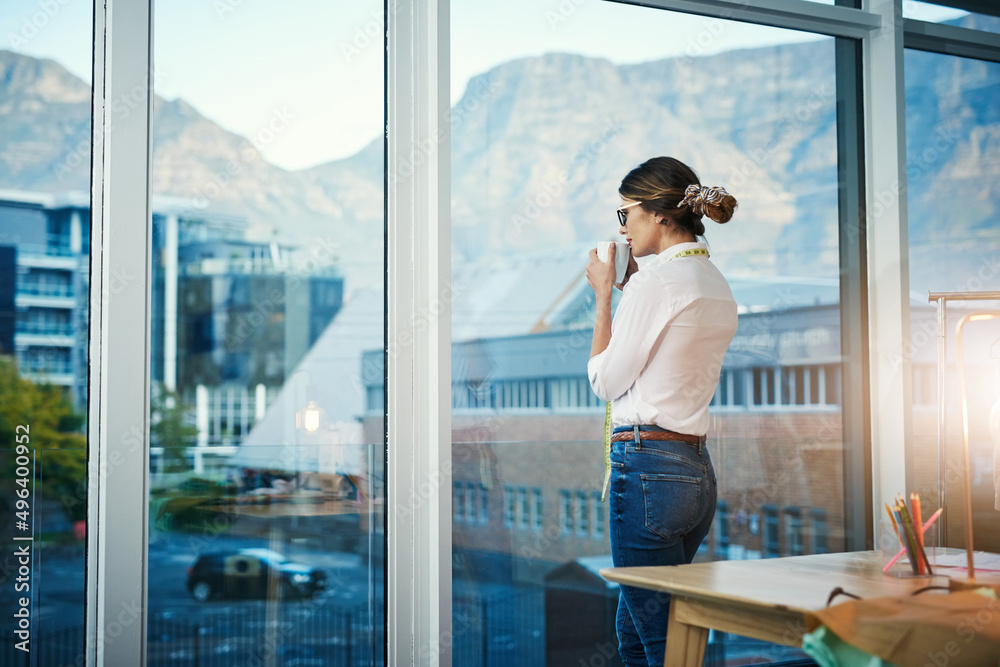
(41, 295)
(53, 256)
(221, 266)
(32, 334)
(47, 371)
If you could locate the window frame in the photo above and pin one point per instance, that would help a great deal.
(418, 373)
(120, 195)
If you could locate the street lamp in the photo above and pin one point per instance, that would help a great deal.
(310, 417)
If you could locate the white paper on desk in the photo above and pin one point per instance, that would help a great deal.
(983, 560)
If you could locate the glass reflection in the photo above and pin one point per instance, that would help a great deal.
(539, 146)
(266, 495)
(940, 13)
(276, 563)
(45, 139)
(954, 237)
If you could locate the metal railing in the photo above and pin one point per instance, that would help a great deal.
(57, 247)
(43, 329)
(337, 637)
(45, 367)
(39, 289)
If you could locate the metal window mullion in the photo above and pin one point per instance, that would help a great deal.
(418, 335)
(855, 405)
(231, 411)
(216, 399)
(886, 236)
(951, 40)
(748, 388)
(246, 418)
(976, 6)
(833, 20)
(118, 410)
(170, 282)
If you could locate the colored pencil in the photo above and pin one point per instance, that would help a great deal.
(927, 525)
(897, 511)
(895, 528)
(915, 505)
(923, 567)
(934, 517)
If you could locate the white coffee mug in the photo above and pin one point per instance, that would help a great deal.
(621, 257)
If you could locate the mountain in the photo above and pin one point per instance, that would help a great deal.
(45, 126)
(539, 146)
(44, 118)
(541, 161)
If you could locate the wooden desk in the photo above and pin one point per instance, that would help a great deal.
(763, 599)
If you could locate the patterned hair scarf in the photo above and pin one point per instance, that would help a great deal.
(697, 196)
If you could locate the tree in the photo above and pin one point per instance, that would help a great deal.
(57, 447)
(169, 428)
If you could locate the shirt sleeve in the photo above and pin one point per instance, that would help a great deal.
(643, 314)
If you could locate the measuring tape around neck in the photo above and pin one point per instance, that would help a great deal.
(689, 253)
(607, 450)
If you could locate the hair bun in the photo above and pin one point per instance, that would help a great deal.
(713, 202)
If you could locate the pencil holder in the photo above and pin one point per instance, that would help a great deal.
(910, 555)
(901, 569)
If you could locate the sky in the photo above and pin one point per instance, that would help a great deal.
(314, 68)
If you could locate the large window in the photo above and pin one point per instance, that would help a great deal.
(941, 13)
(265, 525)
(314, 241)
(45, 230)
(953, 194)
(541, 136)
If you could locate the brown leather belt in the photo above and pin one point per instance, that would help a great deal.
(622, 436)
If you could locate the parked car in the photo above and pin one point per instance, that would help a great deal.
(251, 573)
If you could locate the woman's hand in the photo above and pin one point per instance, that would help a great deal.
(601, 275)
(632, 268)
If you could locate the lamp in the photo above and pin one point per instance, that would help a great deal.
(942, 298)
(960, 363)
(310, 417)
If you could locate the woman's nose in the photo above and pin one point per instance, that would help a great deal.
(622, 230)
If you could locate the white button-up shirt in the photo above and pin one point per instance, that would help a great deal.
(669, 335)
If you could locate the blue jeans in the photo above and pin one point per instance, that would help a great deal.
(662, 504)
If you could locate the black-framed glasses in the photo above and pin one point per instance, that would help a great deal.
(621, 212)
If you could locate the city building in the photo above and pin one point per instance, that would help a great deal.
(47, 242)
(229, 318)
(776, 437)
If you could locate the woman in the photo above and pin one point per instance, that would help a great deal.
(658, 363)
